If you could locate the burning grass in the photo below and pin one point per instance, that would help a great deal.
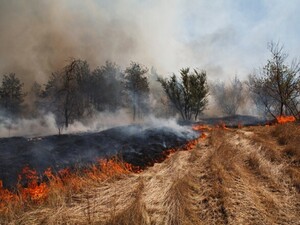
(52, 189)
(32, 190)
(228, 176)
(285, 119)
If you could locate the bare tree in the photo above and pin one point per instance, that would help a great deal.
(276, 85)
(228, 97)
(189, 94)
(66, 92)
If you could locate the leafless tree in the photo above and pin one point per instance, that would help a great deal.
(228, 97)
(66, 92)
(276, 85)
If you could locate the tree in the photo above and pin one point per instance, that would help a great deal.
(275, 86)
(137, 87)
(106, 87)
(11, 93)
(228, 97)
(189, 94)
(66, 92)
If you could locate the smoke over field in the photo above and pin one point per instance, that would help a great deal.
(37, 37)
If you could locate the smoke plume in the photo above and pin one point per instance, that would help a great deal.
(38, 36)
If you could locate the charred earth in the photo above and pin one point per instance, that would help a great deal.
(134, 144)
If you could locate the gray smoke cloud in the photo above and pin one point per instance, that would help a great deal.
(223, 37)
(39, 36)
(45, 124)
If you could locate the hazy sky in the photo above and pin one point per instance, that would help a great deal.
(224, 37)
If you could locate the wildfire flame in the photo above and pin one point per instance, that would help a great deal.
(34, 191)
(222, 125)
(201, 127)
(35, 188)
(285, 119)
(6, 198)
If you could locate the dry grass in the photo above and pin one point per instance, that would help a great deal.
(135, 214)
(288, 135)
(242, 176)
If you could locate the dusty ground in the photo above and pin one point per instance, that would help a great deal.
(236, 176)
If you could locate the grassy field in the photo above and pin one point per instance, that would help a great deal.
(249, 175)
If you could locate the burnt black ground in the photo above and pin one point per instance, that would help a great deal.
(134, 144)
(235, 121)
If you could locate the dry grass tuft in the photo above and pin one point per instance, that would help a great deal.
(179, 204)
(287, 133)
(135, 214)
(288, 136)
(294, 175)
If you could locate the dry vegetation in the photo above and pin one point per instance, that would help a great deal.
(242, 176)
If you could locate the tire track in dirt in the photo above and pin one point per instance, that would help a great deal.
(237, 184)
(166, 189)
(253, 190)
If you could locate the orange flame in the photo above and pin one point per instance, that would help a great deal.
(285, 119)
(6, 198)
(201, 127)
(203, 136)
(34, 191)
(38, 191)
(109, 168)
(222, 125)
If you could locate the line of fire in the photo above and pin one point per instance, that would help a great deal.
(32, 186)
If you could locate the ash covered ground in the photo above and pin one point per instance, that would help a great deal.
(134, 144)
(235, 121)
(139, 145)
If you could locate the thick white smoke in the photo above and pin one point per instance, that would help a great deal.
(46, 125)
(41, 126)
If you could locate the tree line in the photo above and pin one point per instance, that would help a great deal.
(76, 92)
